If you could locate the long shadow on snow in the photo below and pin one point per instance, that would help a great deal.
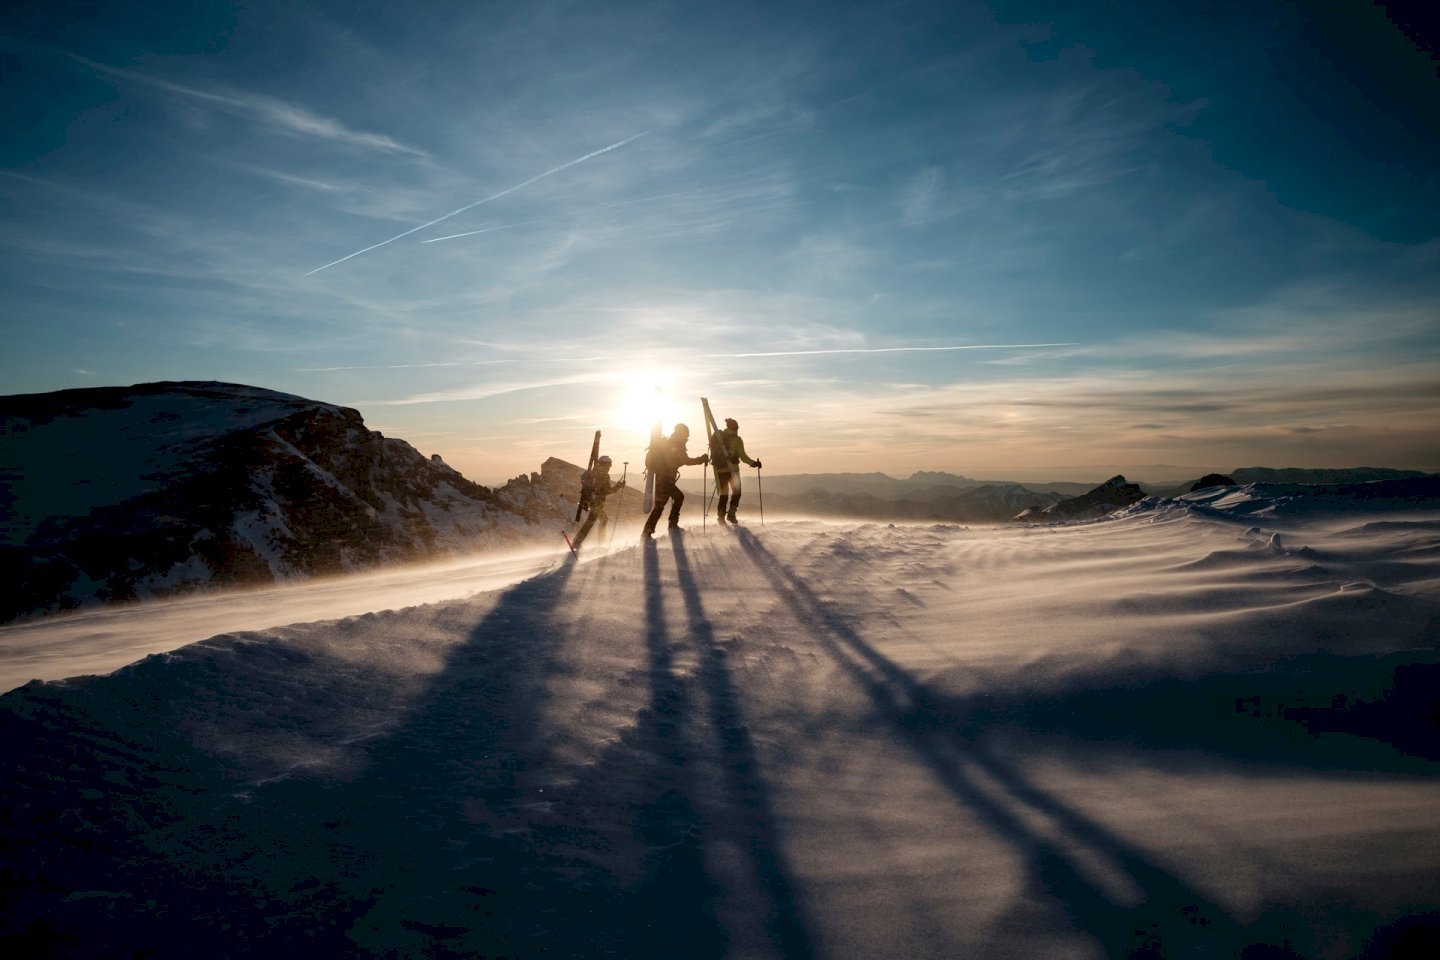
(645, 785)
(435, 850)
(1170, 913)
(620, 871)
(747, 818)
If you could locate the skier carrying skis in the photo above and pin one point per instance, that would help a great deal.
(600, 487)
(665, 460)
(727, 468)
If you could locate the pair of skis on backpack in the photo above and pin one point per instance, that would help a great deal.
(586, 500)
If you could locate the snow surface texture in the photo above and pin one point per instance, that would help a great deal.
(1202, 727)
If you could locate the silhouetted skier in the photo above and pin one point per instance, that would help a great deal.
(727, 469)
(665, 460)
(600, 487)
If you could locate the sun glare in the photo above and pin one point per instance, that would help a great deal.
(645, 397)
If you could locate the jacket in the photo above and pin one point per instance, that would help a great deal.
(734, 450)
(674, 456)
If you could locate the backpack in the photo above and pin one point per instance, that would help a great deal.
(587, 489)
(660, 456)
(719, 452)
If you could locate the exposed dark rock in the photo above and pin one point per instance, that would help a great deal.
(1245, 475)
(1212, 480)
(125, 493)
(1110, 496)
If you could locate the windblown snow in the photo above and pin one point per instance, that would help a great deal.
(1201, 727)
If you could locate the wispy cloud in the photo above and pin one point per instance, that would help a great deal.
(403, 366)
(278, 115)
(485, 391)
(918, 198)
(969, 346)
(494, 196)
(280, 176)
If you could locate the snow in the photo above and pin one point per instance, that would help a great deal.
(1176, 732)
(104, 639)
(146, 440)
(263, 530)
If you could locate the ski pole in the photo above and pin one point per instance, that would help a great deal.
(619, 508)
(704, 491)
(760, 486)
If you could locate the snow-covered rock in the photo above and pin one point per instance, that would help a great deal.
(1111, 495)
(124, 493)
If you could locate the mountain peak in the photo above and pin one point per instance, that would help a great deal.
(120, 493)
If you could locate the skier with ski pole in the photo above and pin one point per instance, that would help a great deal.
(582, 502)
(665, 460)
(600, 488)
(727, 471)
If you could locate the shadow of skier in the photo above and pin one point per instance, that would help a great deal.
(434, 844)
(669, 911)
(747, 821)
(414, 846)
(938, 731)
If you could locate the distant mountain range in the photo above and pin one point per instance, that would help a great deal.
(117, 494)
(951, 498)
(902, 500)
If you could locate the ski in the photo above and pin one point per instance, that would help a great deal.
(718, 457)
(583, 500)
(647, 503)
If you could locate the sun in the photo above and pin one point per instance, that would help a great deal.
(645, 398)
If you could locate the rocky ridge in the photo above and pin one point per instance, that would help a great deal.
(128, 493)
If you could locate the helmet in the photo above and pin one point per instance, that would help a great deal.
(604, 461)
(682, 430)
(731, 423)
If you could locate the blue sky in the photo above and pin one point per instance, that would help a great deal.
(1014, 240)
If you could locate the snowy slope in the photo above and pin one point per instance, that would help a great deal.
(1200, 727)
(125, 493)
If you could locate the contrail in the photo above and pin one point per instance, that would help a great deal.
(567, 216)
(493, 196)
(973, 346)
(503, 226)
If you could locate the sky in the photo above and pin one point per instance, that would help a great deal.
(1008, 240)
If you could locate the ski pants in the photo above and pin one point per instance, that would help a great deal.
(597, 512)
(727, 484)
(666, 490)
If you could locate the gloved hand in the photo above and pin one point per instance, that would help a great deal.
(757, 464)
(705, 458)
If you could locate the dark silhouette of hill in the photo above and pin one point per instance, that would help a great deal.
(123, 493)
